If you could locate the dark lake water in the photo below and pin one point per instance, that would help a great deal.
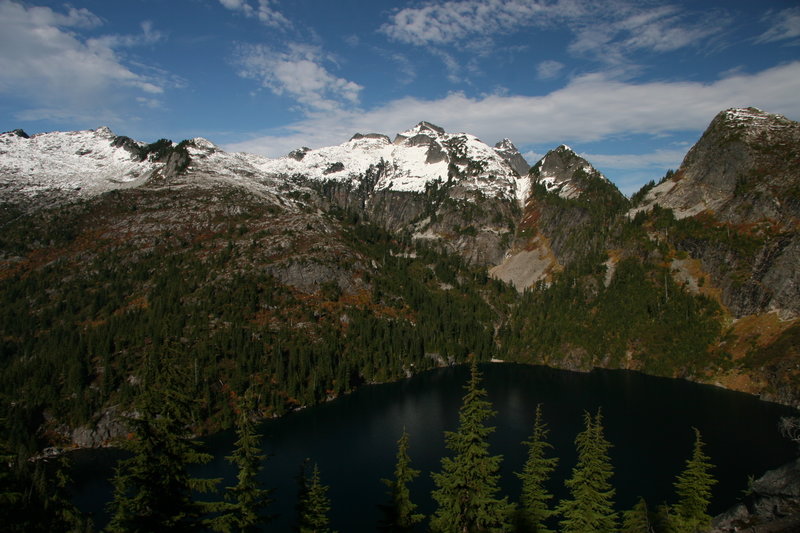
(353, 439)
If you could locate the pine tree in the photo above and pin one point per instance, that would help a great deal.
(400, 516)
(592, 505)
(534, 510)
(637, 519)
(313, 503)
(245, 502)
(693, 488)
(152, 489)
(466, 488)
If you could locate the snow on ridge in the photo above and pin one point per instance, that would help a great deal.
(95, 161)
(410, 162)
(87, 162)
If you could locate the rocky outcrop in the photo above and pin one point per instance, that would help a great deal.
(108, 428)
(19, 133)
(772, 504)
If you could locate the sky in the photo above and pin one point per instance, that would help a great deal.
(628, 84)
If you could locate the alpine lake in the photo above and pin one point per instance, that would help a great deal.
(353, 439)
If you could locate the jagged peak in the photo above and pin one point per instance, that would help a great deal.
(506, 144)
(424, 127)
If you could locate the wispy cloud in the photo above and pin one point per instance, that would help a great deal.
(437, 23)
(263, 11)
(608, 32)
(298, 72)
(55, 73)
(148, 36)
(784, 26)
(547, 70)
(590, 108)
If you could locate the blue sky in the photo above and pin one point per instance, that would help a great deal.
(630, 84)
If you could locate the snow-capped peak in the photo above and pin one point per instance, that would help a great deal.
(416, 157)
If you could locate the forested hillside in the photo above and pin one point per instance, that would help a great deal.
(307, 286)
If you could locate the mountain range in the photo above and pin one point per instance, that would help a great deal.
(312, 273)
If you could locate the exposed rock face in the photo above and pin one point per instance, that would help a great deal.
(509, 152)
(107, 429)
(19, 133)
(742, 178)
(773, 504)
(300, 153)
(743, 170)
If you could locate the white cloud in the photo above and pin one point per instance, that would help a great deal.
(609, 32)
(263, 11)
(613, 36)
(785, 25)
(547, 70)
(298, 72)
(590, 108)
(456, 20)
(49, 68)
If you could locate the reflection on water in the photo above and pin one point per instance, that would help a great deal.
(353, 439)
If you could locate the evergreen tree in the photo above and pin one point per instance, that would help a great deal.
(243, 510)
(313, 503)
(666, 520)
(59, 511)
(34, 495)
(400, 516)
(637, 519)
(466, 488)
(152, 489)
(693, 488)
(534, 510)
(592, 505)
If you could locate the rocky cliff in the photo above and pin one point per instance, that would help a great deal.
(771, 505)
(739, 190)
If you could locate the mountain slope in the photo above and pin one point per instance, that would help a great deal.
(311, 274)
(451, 190)
(566, 211)
(736, 204)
